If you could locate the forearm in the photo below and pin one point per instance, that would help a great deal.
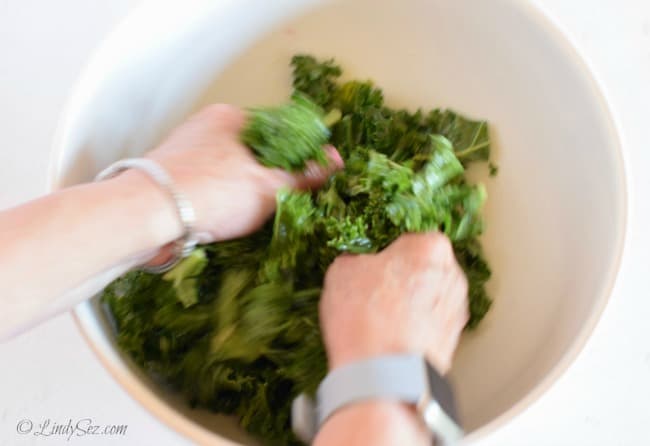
(52, 245)
(373, 423)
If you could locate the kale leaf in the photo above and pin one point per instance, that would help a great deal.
(235, 325)
(289, 135)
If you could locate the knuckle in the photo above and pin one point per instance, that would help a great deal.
(337, 265)
(435, 246)
(346, 267)
(217, 110)
(408, 242)
(340, 259)
(441, 244)
(217, 113)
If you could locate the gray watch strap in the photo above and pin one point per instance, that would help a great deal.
(406, 378)
(385, 377)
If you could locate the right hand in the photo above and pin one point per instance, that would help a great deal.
(409, 298)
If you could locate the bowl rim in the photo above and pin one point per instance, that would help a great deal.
(196, 432)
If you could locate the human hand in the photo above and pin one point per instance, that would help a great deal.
(411, 297)
(232, 194)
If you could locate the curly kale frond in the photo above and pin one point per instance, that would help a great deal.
(287, 136)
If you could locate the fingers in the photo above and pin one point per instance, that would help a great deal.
(228, 120)
(316, 174)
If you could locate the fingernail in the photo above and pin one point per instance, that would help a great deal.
(334, 156)
(313, 170)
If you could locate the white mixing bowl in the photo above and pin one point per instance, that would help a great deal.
(556, 212)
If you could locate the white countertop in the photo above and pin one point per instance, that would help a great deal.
(50, 372)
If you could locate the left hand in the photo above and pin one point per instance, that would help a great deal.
(232, 194)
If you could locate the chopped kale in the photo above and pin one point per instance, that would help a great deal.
(235, 325)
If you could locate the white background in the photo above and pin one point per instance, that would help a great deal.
(49, 372)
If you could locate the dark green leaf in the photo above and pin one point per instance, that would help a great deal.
(470, 139)
(184, 277)
(287, 136)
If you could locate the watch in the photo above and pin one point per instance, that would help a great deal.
(405, 378)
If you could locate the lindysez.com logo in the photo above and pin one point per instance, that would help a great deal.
(72, 428)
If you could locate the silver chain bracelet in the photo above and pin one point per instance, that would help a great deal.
(186, 243)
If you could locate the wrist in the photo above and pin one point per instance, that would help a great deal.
(382, 422)
(153, 214)
(405, 378)
(351, 352)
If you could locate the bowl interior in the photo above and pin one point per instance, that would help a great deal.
(555, 212)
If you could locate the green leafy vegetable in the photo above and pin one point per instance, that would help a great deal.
(288, 135)
(235, 325)
(315, 79)
(184, 277)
